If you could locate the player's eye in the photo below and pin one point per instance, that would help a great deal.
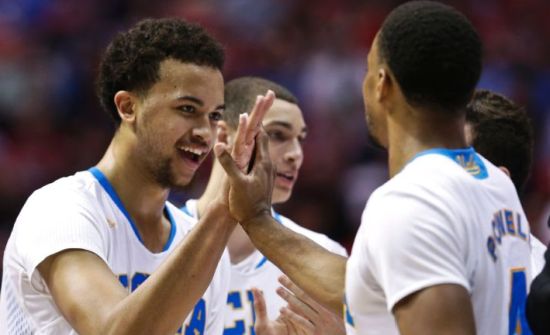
(188, 109)
(276, 135)
(216, 116)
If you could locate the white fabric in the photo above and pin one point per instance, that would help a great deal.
(537, 256)
(77, 212)
(256, 271)
(431, 224)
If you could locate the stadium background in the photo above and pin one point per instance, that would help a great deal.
(51, 124)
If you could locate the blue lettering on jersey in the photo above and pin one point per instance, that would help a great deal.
(517, 319)
(198, 318)
(505, 223)
(234, 299)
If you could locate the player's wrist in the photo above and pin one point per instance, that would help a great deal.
(256, 219)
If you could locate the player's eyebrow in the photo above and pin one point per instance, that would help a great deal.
(285, 125)
(192, 99)
(199, 101)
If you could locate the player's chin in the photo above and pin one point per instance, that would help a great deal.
(281, 194)
(181, 180)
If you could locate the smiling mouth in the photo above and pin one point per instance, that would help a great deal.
(193, 154)
(289, 177)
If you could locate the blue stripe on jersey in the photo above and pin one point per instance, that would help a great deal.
(104, 182)
(467, 158)
(277, 218)
(172, 229)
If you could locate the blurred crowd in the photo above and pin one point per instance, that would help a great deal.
(51, 124)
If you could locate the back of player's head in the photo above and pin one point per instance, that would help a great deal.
(434, 53)
(132, 60)
(502, 133)
(240, 96)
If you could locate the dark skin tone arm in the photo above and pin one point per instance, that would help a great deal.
(415, 313)
(318, 271)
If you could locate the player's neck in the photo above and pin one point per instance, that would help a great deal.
(410, 135)
(143, 198)
(239, 245)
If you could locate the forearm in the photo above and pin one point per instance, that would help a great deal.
(318, 271)
(162, 302)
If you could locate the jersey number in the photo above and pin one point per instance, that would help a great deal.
(198, 318)
(234, 299)
(517, 320)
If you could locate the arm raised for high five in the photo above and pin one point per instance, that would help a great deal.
(320, 272)
(91, 299)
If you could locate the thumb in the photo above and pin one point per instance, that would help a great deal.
(226, 161)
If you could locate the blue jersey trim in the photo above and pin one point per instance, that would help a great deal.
(467, 158)
(104, 182)
(277, 218)
(172, 229)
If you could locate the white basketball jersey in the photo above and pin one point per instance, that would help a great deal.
(84, 212)
(449, 217)
(257, 271)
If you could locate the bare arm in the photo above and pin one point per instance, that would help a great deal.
(318, 271)
(90, 297)
(441, 309)
(93, 301)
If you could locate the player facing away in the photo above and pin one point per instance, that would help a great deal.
(103, 251)
(286, 129)
(501, 131)
(443, 246)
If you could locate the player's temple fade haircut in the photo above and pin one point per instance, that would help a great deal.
(132, 60)
(502, 132)
(434, 53)
(240, 96)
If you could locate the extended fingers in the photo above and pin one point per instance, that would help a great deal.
(226, 161)
(263, 103)
(296, 305)
(291, 286)
(297, 323)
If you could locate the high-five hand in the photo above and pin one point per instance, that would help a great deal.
(307, 315)
(248, 129)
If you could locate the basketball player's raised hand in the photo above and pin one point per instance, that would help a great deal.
(249, 191)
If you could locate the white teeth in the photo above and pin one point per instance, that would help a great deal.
(195, 151)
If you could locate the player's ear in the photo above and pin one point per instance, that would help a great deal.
(505, 170)
(124, 102)
(383, 84)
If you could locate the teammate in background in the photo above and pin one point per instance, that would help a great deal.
(286, 129)
(443, 247)
(501, 131)
(83, 246)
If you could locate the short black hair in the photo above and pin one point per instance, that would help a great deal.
(503, 133)
(132, 60)
(240, 95)
(434, 52)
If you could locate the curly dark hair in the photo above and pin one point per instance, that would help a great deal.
(132, 60)
(240, 96)
(503, 133)
(434, 53)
